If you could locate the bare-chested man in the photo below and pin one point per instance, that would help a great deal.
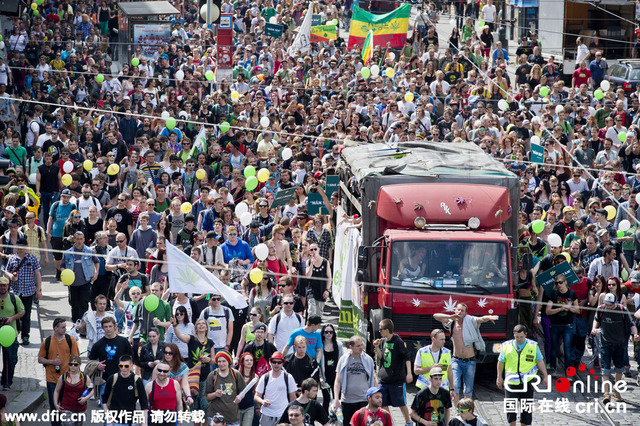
(282, 247)
(463, 363)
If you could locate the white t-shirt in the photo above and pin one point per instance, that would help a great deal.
(218, 324)
(83, 205)
(285, 326)
(582, 53)
(276, 393)
(489, 13)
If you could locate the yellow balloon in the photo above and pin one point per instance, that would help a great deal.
(235, 95)
(66, 180)
(186, 207)
(263, 175)
(113, 169)
(408, 97)
(67, 277)
(256, 275)
(611, 212)
(200, 174)
(88, 165)
(389, 72)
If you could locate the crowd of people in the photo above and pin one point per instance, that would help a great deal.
(103, 168)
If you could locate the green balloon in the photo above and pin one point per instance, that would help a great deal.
(620, 234)
(251, 183)
(622, 136)
(99, 78)
(39, 2)
(537, 226)
(598, 94)
(544, 91)
(366, 72)
(36, 12)
(225, 126)
(151, 302)
(0, 37)
(334, 22)
(170, 123)
(209, 75)
(7, 336)
(135, 62)
(249, 171)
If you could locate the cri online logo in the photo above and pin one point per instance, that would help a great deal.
(563, 385)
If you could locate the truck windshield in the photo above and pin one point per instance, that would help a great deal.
(466, 266)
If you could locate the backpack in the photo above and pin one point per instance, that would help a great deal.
(113, 384)
(386, 415)
(204, 254)
(92, 199)
(266, 381)
(40, 232)
(226, 313)
(233, 374)
(41, 129)
(47, 344)
(278, 317)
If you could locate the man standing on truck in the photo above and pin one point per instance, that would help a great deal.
(465, 333)
(395, 368)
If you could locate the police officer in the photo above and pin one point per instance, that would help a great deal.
(521, 359)
(433, 355)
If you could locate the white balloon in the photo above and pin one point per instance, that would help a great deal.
(32, 178)
(605, 85)
(165, 115)
(624, 225)
(246, 218)
(375, 70)
(559, 109)
(67, 166)
(638, 197)
(262, 251)
(535, 140)
(286, 153)
(452, 22)
(180, 75)
(1, 45)
(273, 20)
(555, 240)
(392, 56)
(241, 209)
(264, 122)
(503, 105)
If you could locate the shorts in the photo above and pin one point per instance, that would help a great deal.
(56, 244)
(394, 395)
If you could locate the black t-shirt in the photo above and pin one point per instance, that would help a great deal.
(110, 351)
(557, 298)
(49, 178)
(393, 364)
(629, 161)
(123, 219)
(301, 368)
(54, 148)
(197, 350)
(313, 412)
(425, 403)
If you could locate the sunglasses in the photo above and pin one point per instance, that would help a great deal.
(168, 353)
(179, 313)
(463, 410)
(328, 332)
(273, 361)
(73, 364)
(124, 365)
(136, 293)
(314, 249)
(120, 241)
(216, 299)
(162, 371)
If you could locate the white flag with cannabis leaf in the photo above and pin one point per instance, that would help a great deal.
(188, 276)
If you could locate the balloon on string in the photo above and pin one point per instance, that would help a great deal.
(251, 183)
(611, 212)
(605, 85)
(537, 226)
(32, 178)
(180, 75)
(135, 62)
(66, 180)
(1, 45)
(151, 302)
(209, 75)
(225, 126)
(452, 22)
(263, 175)
(620, 234)
(34, 6)
(67, 166)
(249, 171)
(559, 109)
(503, 105)
(389, 72)
(544, 91)
(245, 219)
(241, 208)
(598, 94)
(88, 165)
(235, 95)
(375, 70)
(170, 123)
(287, 153)
(39, 2)
(622, 136)
(638, 198)
(8, 335)
(624, 225)
(165, 115)
(67, 276)
(262, 251)
(264, 121)
(273, 20)
(366, 72)
(100, 78)
(409, 96)
(36, 12)
(535, 140)
(256, 275)
(113, 169)
(200, 174)
(554, 240)
(186, 207)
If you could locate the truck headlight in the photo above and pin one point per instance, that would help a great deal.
(473, 223)
(420, 222)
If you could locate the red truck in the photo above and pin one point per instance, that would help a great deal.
(439, 227)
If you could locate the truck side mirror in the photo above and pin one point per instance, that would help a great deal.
(363, 257)
(527, 261)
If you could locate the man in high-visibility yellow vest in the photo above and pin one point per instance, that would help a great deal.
(520, 359)
(430, 356)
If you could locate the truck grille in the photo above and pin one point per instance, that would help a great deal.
(405, 323)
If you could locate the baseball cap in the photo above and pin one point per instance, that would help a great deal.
(601, 232)
(568, 209)
(277, 355)
(436, 371)
(610, 299)
(273, 161)
(260, 326)
(66, 191)
(317, 175)
(11, 209)
(635, 277)
(374, 389)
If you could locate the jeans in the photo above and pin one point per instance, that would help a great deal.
(564, 332)
(47, 199)
(24, 323)
(582, 329)
(609, 353)
(50, 388)
(9, 361)
(101, 286)
(463, 371)
(246, 416)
